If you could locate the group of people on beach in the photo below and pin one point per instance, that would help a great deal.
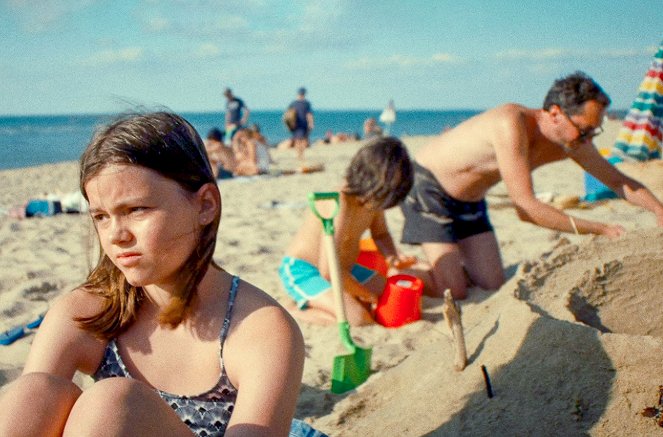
(299, 120)
(247, 155)
(177, 345)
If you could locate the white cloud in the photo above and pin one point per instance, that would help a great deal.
(158, 24)
(530, 55)
(402, 61)
(43, 15)
(118, 56)
(207, 50)
(550, 54)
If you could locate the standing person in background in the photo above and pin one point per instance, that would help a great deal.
(237, 115)
(304, 122)
(388, 117)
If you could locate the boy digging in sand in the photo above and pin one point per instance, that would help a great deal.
(378, 178)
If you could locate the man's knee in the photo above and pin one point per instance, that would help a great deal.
(492, 282)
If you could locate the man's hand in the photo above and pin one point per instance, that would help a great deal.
(613, 231)
(659, 219)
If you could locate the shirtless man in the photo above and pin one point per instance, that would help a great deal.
(446, 212)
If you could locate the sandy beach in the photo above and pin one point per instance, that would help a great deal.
(572, 342)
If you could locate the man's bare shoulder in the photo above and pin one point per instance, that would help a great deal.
(509, 112)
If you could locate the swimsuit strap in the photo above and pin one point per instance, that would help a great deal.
(231, 301)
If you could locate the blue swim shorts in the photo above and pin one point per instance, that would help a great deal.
(303, 281)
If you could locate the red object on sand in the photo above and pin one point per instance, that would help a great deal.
(400, 302)
(370, 256)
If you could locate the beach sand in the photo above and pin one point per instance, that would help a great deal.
(572, 342)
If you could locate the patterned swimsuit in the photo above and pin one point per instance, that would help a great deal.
(206, 414)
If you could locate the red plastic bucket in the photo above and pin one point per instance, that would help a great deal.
(370, 256)
(400, 302)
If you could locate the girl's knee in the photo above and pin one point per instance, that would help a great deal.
(47, 397)
(117, 390)
(106, 402)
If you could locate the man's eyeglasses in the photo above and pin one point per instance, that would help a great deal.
(584, 134)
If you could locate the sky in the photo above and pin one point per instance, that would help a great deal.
(88, 56)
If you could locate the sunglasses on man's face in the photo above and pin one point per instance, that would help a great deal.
(586, 133)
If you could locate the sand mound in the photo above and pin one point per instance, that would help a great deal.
(609, 285)
(571, 344)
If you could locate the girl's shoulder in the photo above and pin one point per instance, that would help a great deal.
(258, 313)
(77, 303)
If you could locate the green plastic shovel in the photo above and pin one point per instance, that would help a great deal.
(351, 370)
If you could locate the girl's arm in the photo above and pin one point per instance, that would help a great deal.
(264, 358)
(60, 346)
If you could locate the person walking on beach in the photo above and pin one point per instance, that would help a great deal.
(237, 115)
(446, 211)
(303, 123)
(377, 178)
(177, 346)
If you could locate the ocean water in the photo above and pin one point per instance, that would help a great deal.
(33, 140)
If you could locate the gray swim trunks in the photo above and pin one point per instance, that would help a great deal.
(433, 216)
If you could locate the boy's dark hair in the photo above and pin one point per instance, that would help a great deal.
(380, 174)
(570, 93)
(168, 144)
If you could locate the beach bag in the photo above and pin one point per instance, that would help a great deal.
(290, 118)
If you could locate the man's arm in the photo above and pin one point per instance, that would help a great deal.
(512, 147)
(309, 120)
(633, 191)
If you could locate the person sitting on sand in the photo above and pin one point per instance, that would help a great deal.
(251, 153)
(378, 177)
(446, 211)
(371, 128)
(176, 344)
(220, 156)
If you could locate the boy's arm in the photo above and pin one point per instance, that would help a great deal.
(348, 229)
(385, 243)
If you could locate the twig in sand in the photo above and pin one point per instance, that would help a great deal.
(451, 313)
(486, 379)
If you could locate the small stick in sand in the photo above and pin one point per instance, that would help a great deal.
(451, 312)
(486, 379)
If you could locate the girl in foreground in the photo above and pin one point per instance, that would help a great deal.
(175, 344)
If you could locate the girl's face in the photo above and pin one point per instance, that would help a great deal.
(147, 224)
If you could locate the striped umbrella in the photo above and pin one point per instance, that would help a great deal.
(641, 135)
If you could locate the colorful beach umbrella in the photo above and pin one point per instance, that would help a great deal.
(641, 135)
